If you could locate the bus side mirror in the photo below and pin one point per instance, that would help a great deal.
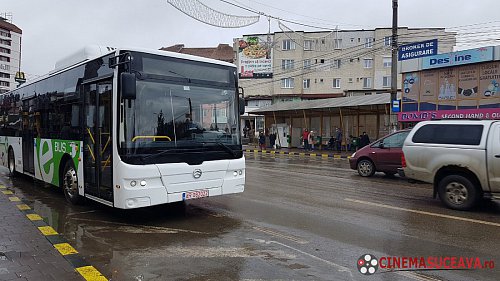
(242, 105)
(128, 86)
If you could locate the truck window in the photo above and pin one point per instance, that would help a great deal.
(449, 134)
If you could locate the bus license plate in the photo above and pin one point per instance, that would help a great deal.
(194, 194)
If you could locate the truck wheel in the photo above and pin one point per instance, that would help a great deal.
(458, 192)
(366, 168)
(11, 162)
(69, 183)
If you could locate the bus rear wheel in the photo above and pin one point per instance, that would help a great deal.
(69, 183)
(11, 162)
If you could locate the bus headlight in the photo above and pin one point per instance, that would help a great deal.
(143, 183)
(133, 183)
(235, 173)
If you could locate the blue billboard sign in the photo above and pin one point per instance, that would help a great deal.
(418, 50)
(458, 58)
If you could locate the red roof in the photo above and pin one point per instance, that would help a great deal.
(223, 52)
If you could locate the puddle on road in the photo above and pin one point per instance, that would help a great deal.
(160, 243)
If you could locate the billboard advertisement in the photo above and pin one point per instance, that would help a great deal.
(255, 57)
(458, 58)
(411, 86)
(418, 50)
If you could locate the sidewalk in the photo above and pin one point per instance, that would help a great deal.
(299, 151)
(28, 246)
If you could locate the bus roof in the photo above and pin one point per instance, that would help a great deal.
(91, 52)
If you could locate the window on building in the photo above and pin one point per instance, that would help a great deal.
(288, 44)
(308, 45)
(387, 62)
(4, 50)
(5, 42)
(367, 94)
(367, 82)
(5, 33)
(4, 83)
(5, 67)
(307, 64)
(4, 75)
(2, 58)
(307, 83)
(336, 83)
(369, 42)
(337, 43)
(350, 80)
(386, 81)
(321, 80)
(336, 63)
(287, 83)
(323, 41)
(368, 63)
(287, 64)
(387, 41)
(352, 40)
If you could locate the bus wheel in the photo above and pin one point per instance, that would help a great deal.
(11, 163)
(70, 183)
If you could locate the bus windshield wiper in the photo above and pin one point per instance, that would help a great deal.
(166, 151)
(226, 148)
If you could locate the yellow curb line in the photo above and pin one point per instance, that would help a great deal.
(47, 230)
(90, 273)
(14, 199)
(65, 249)
(34, 217)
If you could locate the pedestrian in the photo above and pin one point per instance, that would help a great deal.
(310, 139)
(272, 140)
(305, 139)
(365, 140)
(338, 137)
(262, 140)
(331, 143)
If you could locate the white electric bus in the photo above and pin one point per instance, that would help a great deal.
(128, 128)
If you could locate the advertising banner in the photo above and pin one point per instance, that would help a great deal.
(429, 86)
(255, 57)
(411, 87)
(489, 77)
(418, 50)
(484, 114)
(458, 58)
(468, 82)
(447, 85)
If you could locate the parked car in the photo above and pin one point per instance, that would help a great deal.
(383, 155)
(461, 158)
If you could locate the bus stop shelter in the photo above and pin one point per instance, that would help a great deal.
(352, 115)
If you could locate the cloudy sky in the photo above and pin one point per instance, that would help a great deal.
(55, 28)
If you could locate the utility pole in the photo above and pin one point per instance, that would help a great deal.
(394, 66)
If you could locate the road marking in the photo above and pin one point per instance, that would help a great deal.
(417, 276)
(2, 186)
(7, 192)
(65, 249)
(423, 212)
(280, 235)
(336, 156)
(47, 230)
(34, 217)
(324, 155)
(23, 207)
(338, 266)
(14, 199)
(89, 273)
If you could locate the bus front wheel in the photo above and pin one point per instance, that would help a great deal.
(70, 183)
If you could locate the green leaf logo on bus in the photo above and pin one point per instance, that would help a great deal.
(48, 155)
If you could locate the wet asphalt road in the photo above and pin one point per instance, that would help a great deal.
(299, 219)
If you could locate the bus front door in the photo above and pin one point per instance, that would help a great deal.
(98, 140)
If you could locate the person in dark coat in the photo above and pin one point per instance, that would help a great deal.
(364, 140)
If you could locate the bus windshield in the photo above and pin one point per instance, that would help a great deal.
(176, 120)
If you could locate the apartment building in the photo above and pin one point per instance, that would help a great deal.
(10, 52)
(296, 65)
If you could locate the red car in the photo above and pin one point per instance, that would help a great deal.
(383, 155)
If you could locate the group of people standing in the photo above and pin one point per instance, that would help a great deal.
(335, 142)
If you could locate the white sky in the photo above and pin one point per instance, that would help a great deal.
(54, 28)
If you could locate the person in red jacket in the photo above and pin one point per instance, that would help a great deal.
(305, 139)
